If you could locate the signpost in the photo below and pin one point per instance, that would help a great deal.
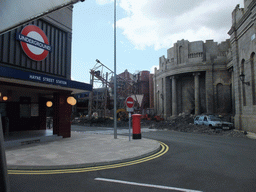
(129, 103)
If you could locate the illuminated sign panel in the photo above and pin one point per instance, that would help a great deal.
(34, 42)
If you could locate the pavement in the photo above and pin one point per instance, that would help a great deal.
(80, 150)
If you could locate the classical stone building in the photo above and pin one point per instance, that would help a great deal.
(242, 63)
(193, 79)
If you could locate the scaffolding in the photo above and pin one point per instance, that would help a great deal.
(101, 98)
(98, 98)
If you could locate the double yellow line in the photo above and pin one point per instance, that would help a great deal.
(164, 149)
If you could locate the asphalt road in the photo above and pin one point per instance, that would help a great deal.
(193, 162)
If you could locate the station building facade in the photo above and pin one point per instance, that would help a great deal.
(35, 68)
(193, 79)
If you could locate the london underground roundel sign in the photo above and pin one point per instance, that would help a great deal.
(34, 42)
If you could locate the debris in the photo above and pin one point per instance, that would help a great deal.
(182, 123)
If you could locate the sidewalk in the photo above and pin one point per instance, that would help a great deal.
(80, 150)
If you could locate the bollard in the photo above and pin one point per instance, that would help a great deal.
(136, 131)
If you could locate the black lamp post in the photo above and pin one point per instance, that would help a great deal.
(242, 76)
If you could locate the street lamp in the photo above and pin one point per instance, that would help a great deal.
(242, 76)
(115, 102)
(49, 104)
(71, 100)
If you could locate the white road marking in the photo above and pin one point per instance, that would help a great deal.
(146, 185)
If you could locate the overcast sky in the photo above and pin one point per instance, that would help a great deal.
(145, 30)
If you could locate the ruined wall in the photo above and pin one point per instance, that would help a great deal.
(243, 38)
(184, 60)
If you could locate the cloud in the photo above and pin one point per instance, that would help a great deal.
(160, 23)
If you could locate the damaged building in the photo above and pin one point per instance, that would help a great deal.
(198, 77)
(193, 79)
(242, 64)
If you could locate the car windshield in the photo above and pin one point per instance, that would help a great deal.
(212, 118)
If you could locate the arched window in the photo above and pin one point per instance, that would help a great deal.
(252, 61)
(243, 86)
(242, 66)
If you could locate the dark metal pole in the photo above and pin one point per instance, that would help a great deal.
(130, 126)
(4, 180)
(115, 102)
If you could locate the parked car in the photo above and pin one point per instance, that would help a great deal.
(212, 121)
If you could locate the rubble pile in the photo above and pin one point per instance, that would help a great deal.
(181, 123)
(185, 123)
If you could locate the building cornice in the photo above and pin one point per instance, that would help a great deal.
(191, 68)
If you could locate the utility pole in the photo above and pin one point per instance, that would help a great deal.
(115, 98)
(106, 97)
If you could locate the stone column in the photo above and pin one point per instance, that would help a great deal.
(232, 91)
(167, 97)
(155, 91)
(158, 102)
(197, 93)
(174, 97)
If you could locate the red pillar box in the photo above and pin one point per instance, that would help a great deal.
(136, 131)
